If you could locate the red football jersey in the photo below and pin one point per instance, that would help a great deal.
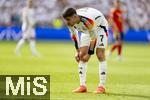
(117, 16)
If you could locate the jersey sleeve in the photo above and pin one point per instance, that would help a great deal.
(110, 17)
(24, 20)
(111, 13)
(74, 36)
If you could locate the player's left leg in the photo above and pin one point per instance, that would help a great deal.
(102, 41)
(32, 43)
(114, 46)
(100, 52)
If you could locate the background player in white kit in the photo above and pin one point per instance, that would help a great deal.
(93, 26)
(28, 31)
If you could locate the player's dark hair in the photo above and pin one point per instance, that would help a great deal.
(118, 1)
(68, 12)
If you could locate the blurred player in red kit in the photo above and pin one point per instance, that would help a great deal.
(116, 21)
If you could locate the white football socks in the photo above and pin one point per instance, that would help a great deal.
(82, 72)
(102, 73)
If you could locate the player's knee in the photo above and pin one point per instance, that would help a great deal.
(100, 55)
(81, 54)
(84, 60)
(82, 57)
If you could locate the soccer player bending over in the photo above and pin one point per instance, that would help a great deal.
(28, 31)
(93, 26)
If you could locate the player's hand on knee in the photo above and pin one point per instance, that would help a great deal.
(81, 54)
(77, 57)
(85, 58)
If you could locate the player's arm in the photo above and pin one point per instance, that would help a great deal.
(92, 41)
(24, 20)
(86, 57)
(110, 18)
(111, 21)
(91, 30)
(74, 36)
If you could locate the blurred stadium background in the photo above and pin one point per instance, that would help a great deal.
(48, 17)
(127, 80)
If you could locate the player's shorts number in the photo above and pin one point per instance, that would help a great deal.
(101, 36)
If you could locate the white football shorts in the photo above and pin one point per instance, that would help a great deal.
(102, 39)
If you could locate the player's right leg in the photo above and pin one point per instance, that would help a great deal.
(85, 41)
(120, 43)
(32, 44)
(114, 46)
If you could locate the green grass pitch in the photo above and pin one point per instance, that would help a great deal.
(126, 80)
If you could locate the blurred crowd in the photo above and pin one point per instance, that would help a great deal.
(137, 16)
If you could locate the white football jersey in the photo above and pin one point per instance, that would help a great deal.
(91, 22)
